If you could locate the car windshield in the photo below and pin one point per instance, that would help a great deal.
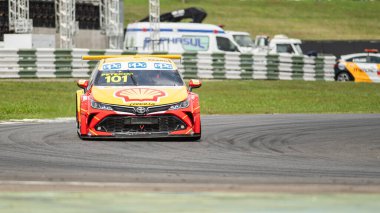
(243, 40)
(138, 78)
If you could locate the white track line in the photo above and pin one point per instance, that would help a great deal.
(69, 183)
(21, 121)
(195, 187)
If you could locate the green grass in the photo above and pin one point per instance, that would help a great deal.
(33, 99)
(233, 97)
(25, 99)
(304, 19)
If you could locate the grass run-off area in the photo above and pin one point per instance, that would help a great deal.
(42, 99)
(304, 19)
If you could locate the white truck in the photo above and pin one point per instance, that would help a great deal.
(279, 44)
(243, 40)
(179, 38)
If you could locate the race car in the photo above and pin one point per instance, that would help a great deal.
(140, 96)
(359, 67)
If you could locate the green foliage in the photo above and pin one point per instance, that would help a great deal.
(304, 19)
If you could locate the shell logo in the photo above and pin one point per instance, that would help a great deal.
(140, 94)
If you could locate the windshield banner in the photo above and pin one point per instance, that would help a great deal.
(137, 66)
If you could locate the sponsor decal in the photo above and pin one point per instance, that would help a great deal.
(163, 66)
(140, 94)
(158, 59)
(187, 42)
(137, 65)
(114, 66)
(142, 104)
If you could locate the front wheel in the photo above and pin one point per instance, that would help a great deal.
(344, 76)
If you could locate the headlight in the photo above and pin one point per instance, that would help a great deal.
(183, 104)
(98, 105)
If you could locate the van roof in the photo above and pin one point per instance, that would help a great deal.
(176, 27)
(238, 33)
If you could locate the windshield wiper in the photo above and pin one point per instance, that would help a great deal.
(133, 79)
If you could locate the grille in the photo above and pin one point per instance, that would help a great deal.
(123, 109)
(149, 109)
(158, 108)
(125, 124)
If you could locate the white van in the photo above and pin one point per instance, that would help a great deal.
(179, 38)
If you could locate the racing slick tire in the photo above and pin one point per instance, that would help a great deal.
(344, 76)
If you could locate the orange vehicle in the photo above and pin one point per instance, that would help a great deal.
(359, 67)
(137, 97)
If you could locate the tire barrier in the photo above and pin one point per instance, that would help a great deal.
(67, 63)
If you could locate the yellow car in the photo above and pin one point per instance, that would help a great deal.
(359, 67)
(137, 97)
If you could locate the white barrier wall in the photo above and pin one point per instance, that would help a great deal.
(67, 63)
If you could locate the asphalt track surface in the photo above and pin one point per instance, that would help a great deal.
(240, 149)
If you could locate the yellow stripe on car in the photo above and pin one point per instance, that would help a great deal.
(79, 94)
(358, 74)
(100, 57)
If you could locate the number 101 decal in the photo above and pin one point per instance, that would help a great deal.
(116, 77)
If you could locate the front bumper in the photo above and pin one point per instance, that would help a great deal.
(111, 124)
(140, 135)
(140, 124)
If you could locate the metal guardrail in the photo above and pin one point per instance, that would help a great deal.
(67, 63)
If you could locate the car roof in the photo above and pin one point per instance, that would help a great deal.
(238, 33)
(353, 55)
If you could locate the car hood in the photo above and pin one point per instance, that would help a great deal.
(139, 95)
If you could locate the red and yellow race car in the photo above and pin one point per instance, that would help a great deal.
(137, 96)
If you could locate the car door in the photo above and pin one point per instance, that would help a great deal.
(369, 66)
(375, 66)
(364, 70)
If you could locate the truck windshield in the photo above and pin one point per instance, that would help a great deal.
(243, 40)
(138, 78)
(284, 48)
(225, 44)
(298, 49)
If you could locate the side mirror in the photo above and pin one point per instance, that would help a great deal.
(194, 83)
(82, 84)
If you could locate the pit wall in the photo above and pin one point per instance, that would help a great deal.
(67, 63)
